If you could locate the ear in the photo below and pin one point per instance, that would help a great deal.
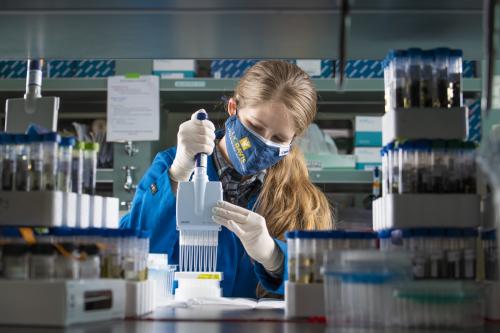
(231, 107)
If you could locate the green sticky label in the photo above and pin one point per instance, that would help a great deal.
(132, 75)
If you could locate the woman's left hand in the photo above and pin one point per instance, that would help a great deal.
(251, 229)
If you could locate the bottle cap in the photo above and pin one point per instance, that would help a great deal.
(68, 141)
(52, 137)
(92, 146)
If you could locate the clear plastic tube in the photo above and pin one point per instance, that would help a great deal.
(64, 168)
(23, 163)
(439, 167)
(50, 154)
(398, 68)
(455, 79)
(42, 261)
(426, 79)
(292, 256)
(77, 168)
(407, 169)
(9, 163)
(37, 161)
(90, 167)
(440, 96)
(394, 159)
(424, 173)
(413, 69)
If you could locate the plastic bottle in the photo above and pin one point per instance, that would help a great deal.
(77, 168)
(414, 65)
(37, 161)
(50, 155)
(426, 78)
(9, 163)
(23, 163)
(440, 96)
(455, 79)
(42, 261)
(64, 169)
(90, 167)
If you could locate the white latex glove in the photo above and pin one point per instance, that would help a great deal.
(251, 229)
(194, 136)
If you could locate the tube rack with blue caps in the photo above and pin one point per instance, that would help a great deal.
(73, 253)
(48, 162)
(437, 253)
(429, 166)
(306, 250)
(423, 78)
(489, 247)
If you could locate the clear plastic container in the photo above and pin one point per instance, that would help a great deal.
(399, 80)
(424, 166)
(23, 163)
(15, 261)
(42, 261)
(455, 79)
(163, 275)
(67, 265)
(413, 72)
(291, 255)
(50, 155)
(306, 259)
(438, 304)
(90, 167)
(77, 168)
(439, 167)
(9, 165)
(358, 282)
(440, 95)
(468, 170)
(37, 161)
(112, 256)
(64, 164)
(387, 81)
(90, 265)
(385, 171)
(130, 255)
(2, 154)
(455, 173)
(426, 78)
(394, 160)
(489, 245)
(143, 245)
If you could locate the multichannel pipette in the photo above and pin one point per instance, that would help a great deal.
(198, 234)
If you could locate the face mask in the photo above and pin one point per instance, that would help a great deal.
(248, 151)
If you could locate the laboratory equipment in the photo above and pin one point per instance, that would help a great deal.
(455, 98)
(67, 264)
(15, 261)
(440, 99)
(198, 234)
(77, 168)
(197, 285)
(413, 70)
(23, 163)
(140, 298)
(357, 282)
(61, 302)
(90, 264)
(489, 247)
(37, 161)
(427, 79)
(162, 274)
(42, 261)
(9, 162)
(50, 156)
(64, 169)
(90, 167)
(32, 108)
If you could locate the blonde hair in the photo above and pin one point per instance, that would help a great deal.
(288, 200)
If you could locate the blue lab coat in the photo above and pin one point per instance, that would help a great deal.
(153, 209)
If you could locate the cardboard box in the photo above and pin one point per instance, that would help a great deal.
(367, 158)
(317, 68)
(368, 131)
(174, 69)
(230, 68)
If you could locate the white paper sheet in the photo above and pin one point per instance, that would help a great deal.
(133, 108)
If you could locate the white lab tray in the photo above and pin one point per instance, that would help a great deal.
(425, 123)
(304, 300)
(140, 298)
(426, 210)
(60, 302)
(55, 208)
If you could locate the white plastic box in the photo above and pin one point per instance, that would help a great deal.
(35, 209)
(96, 208)
(425, 123)
(140, 298)
(304, 300)
(110, 213)
(82, 211)
(197, 284)
(426, 210)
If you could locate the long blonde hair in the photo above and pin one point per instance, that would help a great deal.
(288, 199)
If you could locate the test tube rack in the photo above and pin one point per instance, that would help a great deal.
(426, 210)
(56, 209)
(61, 302)
(425, 123)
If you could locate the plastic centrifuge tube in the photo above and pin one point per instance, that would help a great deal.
(2, 154)
(64, 164)
(413, 64)
(90, 167)
(9, 162)
(305, 267)
(440, 96)
(77, 168)
(438, 166)
(292, 256)
(387, 82)
(468, 170)
(36, 155)
(453, 153)
(50, 156)
(394, 160)
(423, 158)
(426, 78)
(407, 168)
(23, 163)
(399, 78)
(455, 79)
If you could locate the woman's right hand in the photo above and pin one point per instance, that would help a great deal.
(194, 136)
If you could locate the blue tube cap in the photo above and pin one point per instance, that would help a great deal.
(52, 137)
(68, 141)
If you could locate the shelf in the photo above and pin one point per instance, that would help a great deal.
(113, 29)
(341, 177)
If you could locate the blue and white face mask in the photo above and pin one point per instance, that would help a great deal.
(248, 151)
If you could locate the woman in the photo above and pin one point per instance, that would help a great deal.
(266, 185)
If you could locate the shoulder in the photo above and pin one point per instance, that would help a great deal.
(166, 156)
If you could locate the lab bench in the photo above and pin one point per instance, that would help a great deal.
(241, 321)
